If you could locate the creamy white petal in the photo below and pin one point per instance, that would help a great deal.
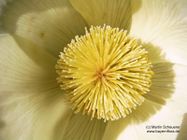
(163, 23)
(183, 130)
(2, 3)
(51, 24)
(30, 101)
(167, 116)
(80, 127)
(116, 13)
(171, 113)
(30, 117)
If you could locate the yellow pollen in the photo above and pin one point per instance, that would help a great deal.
(105, 73)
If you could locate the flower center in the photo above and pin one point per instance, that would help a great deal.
(105, 73)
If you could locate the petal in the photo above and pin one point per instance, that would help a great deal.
(163, 23)
(137, 125)
(116, 13)
(2, 4)
(80, 127)
(30, 101)
(182, 134)
(142, 131)
(49, 24)
(24, 62)
(30, 117)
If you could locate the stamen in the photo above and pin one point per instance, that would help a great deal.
(105, 73)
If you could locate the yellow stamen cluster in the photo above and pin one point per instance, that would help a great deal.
(105, 73)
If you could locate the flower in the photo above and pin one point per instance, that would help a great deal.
(121, 63)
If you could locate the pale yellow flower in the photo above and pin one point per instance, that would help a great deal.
(121, 63)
